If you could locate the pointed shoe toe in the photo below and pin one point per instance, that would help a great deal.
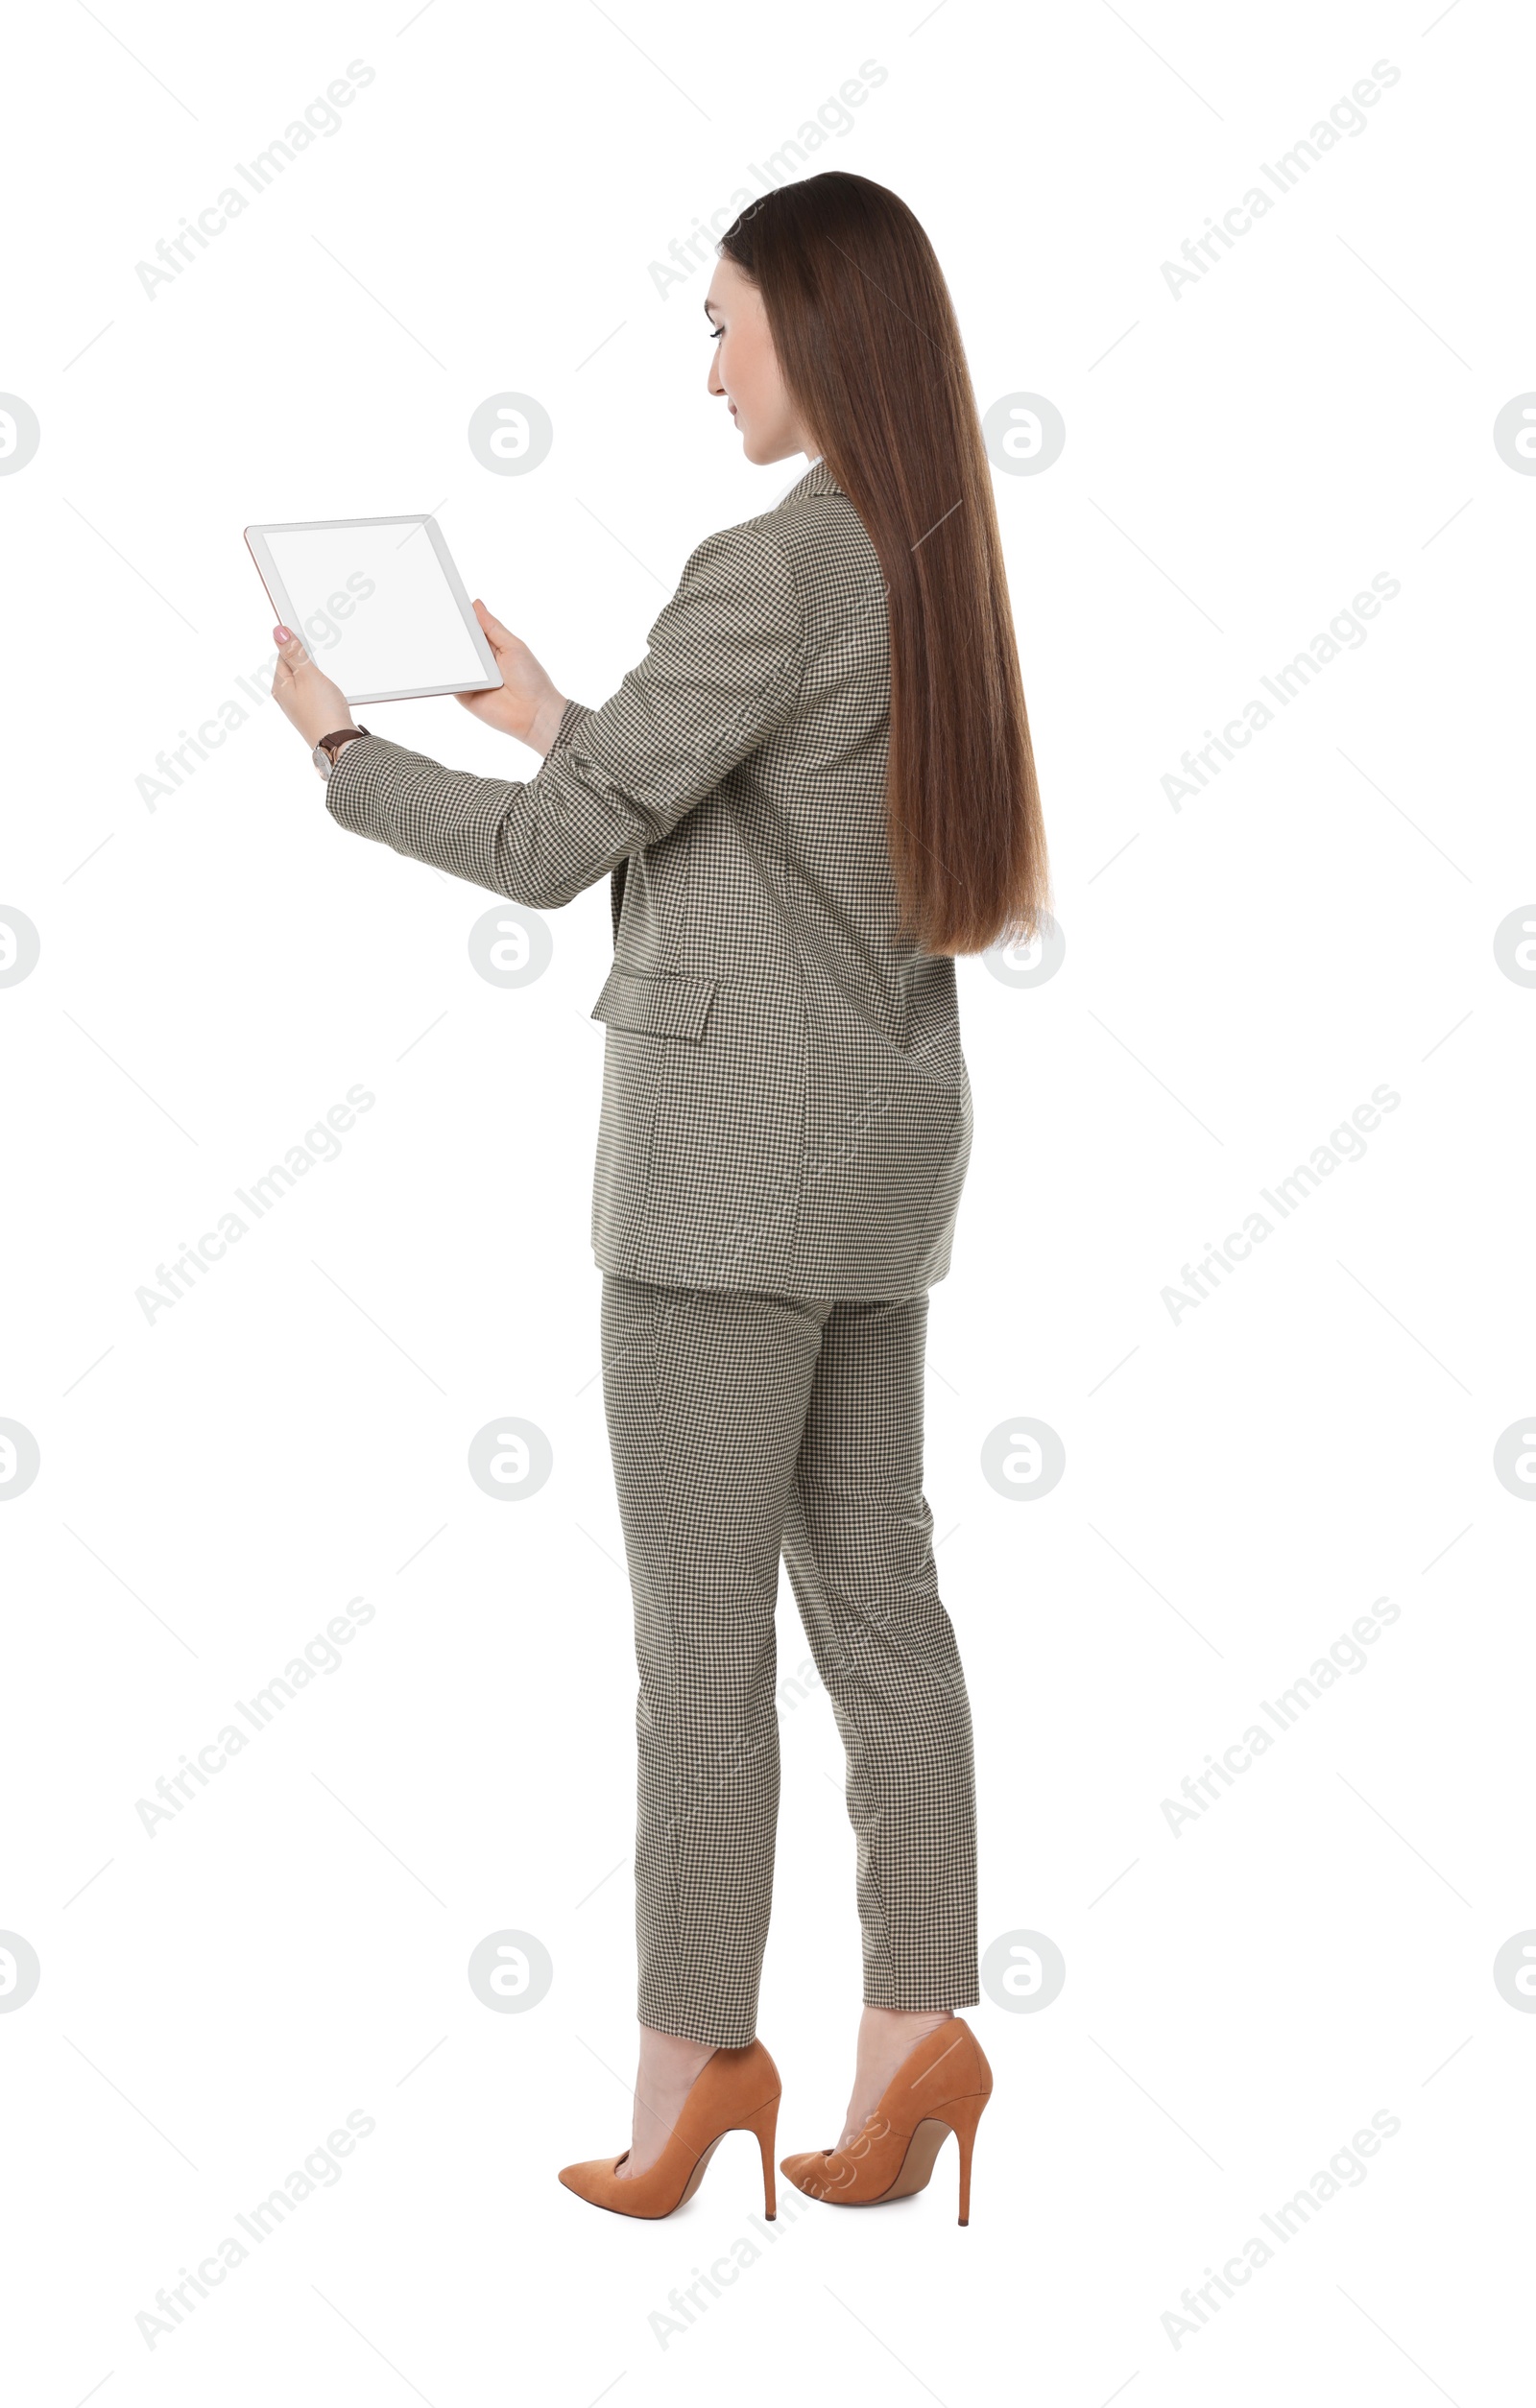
(589, 2178)
(806, 2169)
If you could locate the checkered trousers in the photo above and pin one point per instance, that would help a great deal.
(745, 1427)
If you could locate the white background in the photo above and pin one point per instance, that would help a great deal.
(216, 971)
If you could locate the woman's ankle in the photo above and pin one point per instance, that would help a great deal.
(670, 2051)
(895, 2022)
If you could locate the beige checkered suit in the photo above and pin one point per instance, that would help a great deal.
(786, 1130)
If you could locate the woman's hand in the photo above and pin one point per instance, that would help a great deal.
(304, 693)
(527, 703)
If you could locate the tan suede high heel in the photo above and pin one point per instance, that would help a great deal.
(941, 2087)
(737, 2090)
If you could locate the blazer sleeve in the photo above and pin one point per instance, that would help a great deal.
(723, 669)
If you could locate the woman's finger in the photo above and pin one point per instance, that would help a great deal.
(494, 629)
(290, 658)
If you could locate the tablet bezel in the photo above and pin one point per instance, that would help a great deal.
(276, 594)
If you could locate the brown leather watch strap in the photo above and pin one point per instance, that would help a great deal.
(333, 744)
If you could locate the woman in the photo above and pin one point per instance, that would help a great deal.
(815, 790)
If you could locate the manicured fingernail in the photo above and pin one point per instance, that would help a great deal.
(282, 635)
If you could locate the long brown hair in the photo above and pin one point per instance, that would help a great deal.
(869, 348)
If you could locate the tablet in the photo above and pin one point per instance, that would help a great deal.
(378, 603)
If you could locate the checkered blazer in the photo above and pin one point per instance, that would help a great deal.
(785, 1105)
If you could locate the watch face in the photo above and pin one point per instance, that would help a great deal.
(325, 760)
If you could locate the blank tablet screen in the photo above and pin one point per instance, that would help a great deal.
(374, 605)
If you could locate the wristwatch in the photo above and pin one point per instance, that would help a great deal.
(325, 751)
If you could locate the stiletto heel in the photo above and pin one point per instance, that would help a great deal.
(941, 2088)
(737, 2090)
(962, 2115)
(765, 2124)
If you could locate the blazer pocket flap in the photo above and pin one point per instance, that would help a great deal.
(660, 1006)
